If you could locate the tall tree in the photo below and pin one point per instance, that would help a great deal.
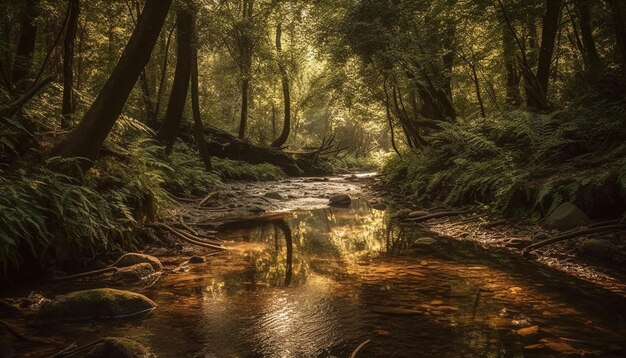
(284, 78)
(173, 115)
(69, 104)
(26, 45)
(586, 32)
(198, 129)
(619, 24)
(548, 37)
(87, 137)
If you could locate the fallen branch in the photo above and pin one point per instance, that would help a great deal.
(570, 235)
(206, 199)
(183, 236)
(182, 223)
(438, 215)
(359, 348)
(86, 274)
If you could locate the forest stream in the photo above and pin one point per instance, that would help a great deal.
(311, 280)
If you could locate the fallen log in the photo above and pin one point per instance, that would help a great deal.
(224, 145)
(571, 235)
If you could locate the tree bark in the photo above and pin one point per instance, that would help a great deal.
(198, 130)
(284, 77)
(26, 46)
(586, 32)
(510, 65)
(69, 104)
(87, 138)
(173, 115)
(620, 26)
(548, 37)
(243, 123)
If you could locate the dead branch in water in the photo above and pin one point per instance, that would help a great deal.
(188, 237)
(86, 274)
(571, 235)
(359, 348)
(438, 215)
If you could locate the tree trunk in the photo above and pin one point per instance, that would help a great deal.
(284, 76)
(620, 26)
(26, 45)
(548, 36)
(169, 128)
(510, 64)
(198, 130)
(87, 138)
(243, 123)
(69, 104)
(586, 32)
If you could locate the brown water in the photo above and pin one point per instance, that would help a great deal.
(318, 283)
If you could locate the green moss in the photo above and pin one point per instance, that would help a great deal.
(118, 347)
(102, 303)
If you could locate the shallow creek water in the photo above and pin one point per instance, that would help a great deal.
(318, 283)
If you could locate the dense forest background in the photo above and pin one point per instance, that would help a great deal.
(110, 111)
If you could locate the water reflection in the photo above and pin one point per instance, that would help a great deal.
(318, 283)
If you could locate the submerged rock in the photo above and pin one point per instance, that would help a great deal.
(566, 216)
(528, 331)
(340, 200)
(132, 258)
(101, 303)
(135, 273)
(119, 348)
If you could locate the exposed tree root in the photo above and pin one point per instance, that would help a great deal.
(359, 348)
(111, 268)
(188, 237)
(438, 215)
(187, 227)
(573, 234)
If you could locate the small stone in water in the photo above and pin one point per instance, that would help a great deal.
(528, 331)
(196, 260)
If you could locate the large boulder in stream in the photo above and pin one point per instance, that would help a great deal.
(119, 348)
(566, 216)
(98, 304)
(132, 259)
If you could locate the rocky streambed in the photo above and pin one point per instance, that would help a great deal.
(302, 278)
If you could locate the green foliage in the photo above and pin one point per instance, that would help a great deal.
(519, 162)
(236, 170)
(54, 216)
(185, 174)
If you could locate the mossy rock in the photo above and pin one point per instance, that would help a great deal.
(114, 347)
(133, 258)
(135, 273)
(99, 304)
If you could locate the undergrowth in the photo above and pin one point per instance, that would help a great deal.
(522, 164)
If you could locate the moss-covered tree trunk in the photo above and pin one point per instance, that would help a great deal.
(284, 77)
(69, 104)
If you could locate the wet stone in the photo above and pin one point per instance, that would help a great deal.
(196, 260)
(118, 348)
(131, 259)
(566, 216)
(340, 200)
(273, 195)
(100, 304)
(134, 273)
(528, 331)
(379, 206)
